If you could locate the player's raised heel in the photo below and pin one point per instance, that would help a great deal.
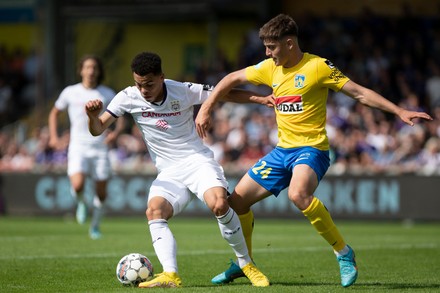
(348, 268)
(257, 278)
(163, 280)
(232, 273)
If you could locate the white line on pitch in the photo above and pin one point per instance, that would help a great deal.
(217, 251)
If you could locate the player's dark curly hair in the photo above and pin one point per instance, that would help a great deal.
(99, 63)
(278, 27)
(145, 63)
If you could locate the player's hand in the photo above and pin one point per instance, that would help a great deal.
(93, 107)
(203, 123)
(54, 143)
(268, 101)
(409, 116)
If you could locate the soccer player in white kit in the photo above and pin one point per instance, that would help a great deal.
(87, 154)
(163, 111)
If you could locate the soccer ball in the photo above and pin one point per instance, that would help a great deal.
(133, 269)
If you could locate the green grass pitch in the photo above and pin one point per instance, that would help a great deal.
(56, 255)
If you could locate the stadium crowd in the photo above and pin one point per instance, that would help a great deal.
(396, 56)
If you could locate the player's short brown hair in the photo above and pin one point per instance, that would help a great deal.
(278, 27)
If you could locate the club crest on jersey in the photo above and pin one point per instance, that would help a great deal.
(299, 81)
(175, 105)
(289, 104)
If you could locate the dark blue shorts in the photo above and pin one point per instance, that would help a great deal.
(274, 170)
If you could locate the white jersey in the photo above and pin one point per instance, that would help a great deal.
(73, 98)
(168, 129)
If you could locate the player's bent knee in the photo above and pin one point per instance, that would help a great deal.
(301, 201)
(155, 214)
(158, 209)
(220, 208)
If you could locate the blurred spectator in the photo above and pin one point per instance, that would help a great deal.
(31, 72)
(16, 158)
(433, 84)
(5, 101)
(48, 158)
(429, 157)
(17, 98)
(130, 153)
(218, 148)
(379, 136)
(236, 141)
(252, 152)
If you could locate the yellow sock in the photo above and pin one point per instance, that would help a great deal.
(320, 218)
(247, 224)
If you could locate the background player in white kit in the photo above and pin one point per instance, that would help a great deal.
(163, 111)
(87, 154)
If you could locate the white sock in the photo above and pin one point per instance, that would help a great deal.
(98, 211)
(231, 231)
(164, 244)
(97, 203)
(78, 196)
(343, 251)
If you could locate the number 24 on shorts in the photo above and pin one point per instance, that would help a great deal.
(262, 170)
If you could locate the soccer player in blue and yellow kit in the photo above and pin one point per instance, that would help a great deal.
(300, 83)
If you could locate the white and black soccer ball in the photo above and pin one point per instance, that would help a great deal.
(133, 269)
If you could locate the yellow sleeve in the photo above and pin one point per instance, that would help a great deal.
(330, 76)
(260, 73)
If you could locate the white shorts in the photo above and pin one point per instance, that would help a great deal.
(92, 161)
(180, 184)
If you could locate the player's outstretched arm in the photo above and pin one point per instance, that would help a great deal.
(372, 99)
(244, 96)
(97, 124)
(221, 90)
